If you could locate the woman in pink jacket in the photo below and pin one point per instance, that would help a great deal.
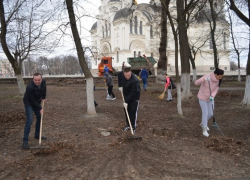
(210, 84)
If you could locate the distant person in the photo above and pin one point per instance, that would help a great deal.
(110, 84)
(130, 87)
(106, 69)
(210, 84)
(34, 95)
(169, 85)
(144, 77)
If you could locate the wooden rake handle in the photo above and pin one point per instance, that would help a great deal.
(41, 124)
(127, 115)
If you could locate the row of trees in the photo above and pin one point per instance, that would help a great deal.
(30, 36)
(179, 22)
(59, 65)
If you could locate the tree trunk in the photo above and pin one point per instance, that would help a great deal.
(12, 60)
(246, 99)
(21, 85)
(178, 89)
(162, 63)
(184, 50)
(194, 75)
(82, 61)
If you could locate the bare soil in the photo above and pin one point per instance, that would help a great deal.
(172, 146)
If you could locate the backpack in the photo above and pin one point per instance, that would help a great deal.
(171, 83)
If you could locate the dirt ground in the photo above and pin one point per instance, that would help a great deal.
(172, 146)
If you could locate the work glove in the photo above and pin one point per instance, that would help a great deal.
(121, 89)
(207, 78)
(211, 98)
(125, 105)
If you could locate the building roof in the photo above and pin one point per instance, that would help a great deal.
(205, 14)
(94, 26)
(123, 13)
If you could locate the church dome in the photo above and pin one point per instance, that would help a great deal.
(94, 26)
(114, 1)
(123, 13)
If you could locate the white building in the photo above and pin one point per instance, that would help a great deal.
(125, 30)
(6, 69)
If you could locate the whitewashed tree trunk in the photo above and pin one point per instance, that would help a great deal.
(246, 99)
(90, 96)
(185, 81)
(178, 89)
(194, 75)
(21, 85)
(239, 78)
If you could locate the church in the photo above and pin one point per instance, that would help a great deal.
(126, 29)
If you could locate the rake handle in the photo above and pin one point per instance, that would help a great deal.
(41, 124)
(127, 115)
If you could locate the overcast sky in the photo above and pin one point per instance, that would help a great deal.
(66, 47)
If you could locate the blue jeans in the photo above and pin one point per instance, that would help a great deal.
(144, 81)
(29, 119)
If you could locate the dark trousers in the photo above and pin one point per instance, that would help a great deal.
(110, 91)
(132, 112)
(29, 119)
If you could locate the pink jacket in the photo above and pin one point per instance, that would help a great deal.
(167, 82)
(204, 92)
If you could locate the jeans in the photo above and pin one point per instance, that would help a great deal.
(169, 94)
(144, 81)
(29, 119)
(207, 111)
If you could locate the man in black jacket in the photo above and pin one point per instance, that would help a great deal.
(34, 95)
(129, 85)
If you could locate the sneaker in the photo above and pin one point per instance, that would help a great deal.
(207, 127)
(25, 145)
(43, 138)
(109, 98)
(114, 98)
(127, 128)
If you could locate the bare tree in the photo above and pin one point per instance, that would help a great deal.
(175, 34)
(162, 63)
(81, 58)
(235, 44)
(183, 7)
(22, 32)
(246, 20)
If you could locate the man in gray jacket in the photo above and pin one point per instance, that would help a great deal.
(110, 84)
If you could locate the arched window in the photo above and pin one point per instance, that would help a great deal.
(134, 53)
(117, 56)
(152, 54)
(109, 29)
(139, 53)
(224, 40)
(106, 27)
(136, 25)
(140, 27)
(131, 26)
(102, 32)
(151, 31)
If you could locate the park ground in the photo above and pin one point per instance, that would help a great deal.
(172, 146)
